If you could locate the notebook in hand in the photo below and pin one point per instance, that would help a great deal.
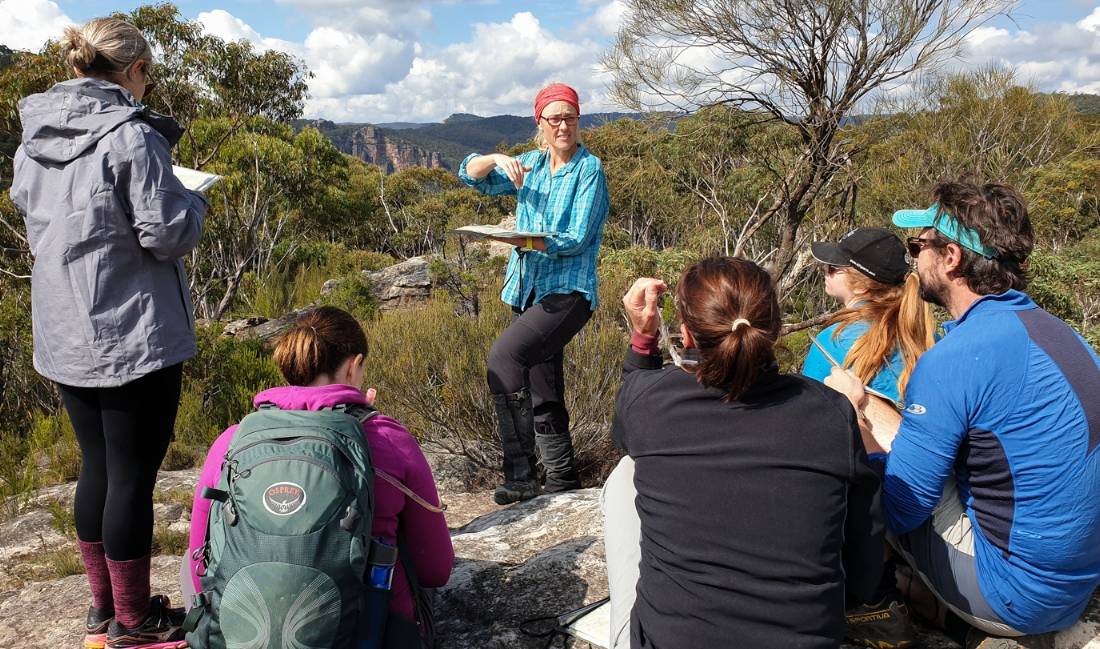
(195, 180)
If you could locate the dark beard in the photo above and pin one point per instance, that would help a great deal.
(933, 294)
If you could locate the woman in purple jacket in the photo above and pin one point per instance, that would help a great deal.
(323, 358)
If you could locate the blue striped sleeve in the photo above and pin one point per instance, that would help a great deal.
(496, 183)
(590, 207)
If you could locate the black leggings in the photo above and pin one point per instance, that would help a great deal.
(123, 434)
(529, 353)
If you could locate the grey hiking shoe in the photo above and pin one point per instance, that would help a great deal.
(514, 492)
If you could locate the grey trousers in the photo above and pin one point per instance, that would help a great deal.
(622, 536)
(941, 551)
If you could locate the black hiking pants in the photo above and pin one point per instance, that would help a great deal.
(123, 434)
(529, 355)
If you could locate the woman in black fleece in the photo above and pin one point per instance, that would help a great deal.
(757, 505)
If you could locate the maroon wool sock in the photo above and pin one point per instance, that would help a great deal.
(130, 585)
(99, 579)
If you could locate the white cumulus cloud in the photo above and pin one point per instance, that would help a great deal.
(1050, 57)
(28, 24)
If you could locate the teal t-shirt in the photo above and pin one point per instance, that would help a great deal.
(818, 367)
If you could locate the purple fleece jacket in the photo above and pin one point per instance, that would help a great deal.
(394, 451)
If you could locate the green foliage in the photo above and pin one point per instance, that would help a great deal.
(64, 561)
(1067, 284)
(168, 541)
(429, 367)
(218, 388)
(53, 444)
(1064, 199)
(982, 123)
(352, 294)
(62, 518)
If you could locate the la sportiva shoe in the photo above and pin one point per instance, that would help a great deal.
(161, 629)
(885, 625)
(95, 627)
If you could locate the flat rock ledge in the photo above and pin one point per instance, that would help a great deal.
(541, 557)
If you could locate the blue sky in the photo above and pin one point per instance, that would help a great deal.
(421, 60)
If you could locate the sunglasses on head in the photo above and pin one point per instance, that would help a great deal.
(916, 244)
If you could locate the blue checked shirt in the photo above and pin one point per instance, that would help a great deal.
(572, 204)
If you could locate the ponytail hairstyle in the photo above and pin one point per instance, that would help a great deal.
(899, 320)
(318, 343)
(730, 307)
(104, 46)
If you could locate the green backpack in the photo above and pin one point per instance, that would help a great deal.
(288, 543)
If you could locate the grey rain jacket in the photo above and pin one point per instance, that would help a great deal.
(108, 223)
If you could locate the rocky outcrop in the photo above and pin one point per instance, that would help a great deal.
(401, 286)
(265, 329)
(373, 145)
(542, 557)
(538, 558)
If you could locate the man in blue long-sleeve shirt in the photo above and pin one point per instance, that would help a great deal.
(992, 485)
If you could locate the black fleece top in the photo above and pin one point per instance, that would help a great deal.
(755, 514)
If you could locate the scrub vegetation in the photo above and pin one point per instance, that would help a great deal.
(294, 212)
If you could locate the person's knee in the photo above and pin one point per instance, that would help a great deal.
(504, 370)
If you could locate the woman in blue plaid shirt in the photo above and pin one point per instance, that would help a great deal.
(550, 285)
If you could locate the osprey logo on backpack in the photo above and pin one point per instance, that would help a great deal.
(284, 498)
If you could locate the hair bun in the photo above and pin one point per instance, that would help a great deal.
(79, 53)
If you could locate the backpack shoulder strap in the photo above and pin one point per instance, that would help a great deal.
(361, 412)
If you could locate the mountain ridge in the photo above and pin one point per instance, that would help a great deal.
(446, 142)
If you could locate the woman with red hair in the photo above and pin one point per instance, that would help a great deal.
(550, 284)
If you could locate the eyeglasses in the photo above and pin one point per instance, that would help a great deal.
(916, 244)
(147, 77)
(556, 120)
(678, 356)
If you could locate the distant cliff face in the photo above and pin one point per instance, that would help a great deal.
(371, 144)
(379, 147)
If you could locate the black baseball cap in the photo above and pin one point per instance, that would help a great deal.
(875, 252)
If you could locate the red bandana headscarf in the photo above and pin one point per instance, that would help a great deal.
(556, 92)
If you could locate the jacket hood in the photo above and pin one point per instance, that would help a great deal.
(62, 123)
(296, 397)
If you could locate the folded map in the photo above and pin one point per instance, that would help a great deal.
(483, 231)
(195, 180)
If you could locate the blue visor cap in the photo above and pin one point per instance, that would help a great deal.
(945, 224)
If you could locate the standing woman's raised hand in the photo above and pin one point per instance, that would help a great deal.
(512, 168)
(640, 303)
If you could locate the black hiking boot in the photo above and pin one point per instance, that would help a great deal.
(514, 492)
(516, 427)
(161, 629)
(885, 625)
(95, 627)
(555, 448)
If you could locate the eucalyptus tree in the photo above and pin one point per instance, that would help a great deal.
(812, 64)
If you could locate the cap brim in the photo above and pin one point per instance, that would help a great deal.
(915, 218)
(830, 253)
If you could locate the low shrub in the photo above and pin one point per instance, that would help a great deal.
(428, 365)
(53, 447)
(218, 387)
